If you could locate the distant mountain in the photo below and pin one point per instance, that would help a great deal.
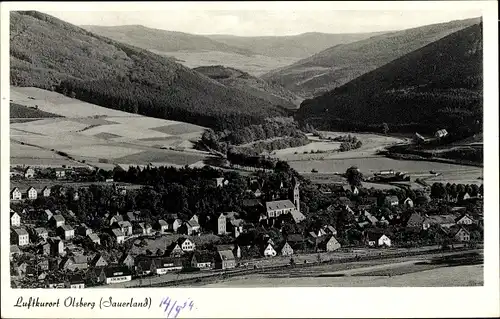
(251, 85)
(162, 40)
(437, 86)
(299, 46)
(48, 53)
(339, 64)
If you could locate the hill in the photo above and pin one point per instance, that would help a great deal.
(162, 40)
(437, 86)
(251, 85)
(339, 64)
(299, 46)
(48, 53)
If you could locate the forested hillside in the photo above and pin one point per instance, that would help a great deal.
(251, 85)
(162, 40)
(48, 53)
(437, 86)
(342, 63)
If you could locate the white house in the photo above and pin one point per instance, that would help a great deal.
(21, 236)
(46, 191)
(114, 275)
(31, 193)
(465, 220)
(269, 251)
(119, 236)
(125, 227)
(375, 239)
(66, 231)
(15, 219)
(16, 194)
(186, 244)
(441, 133)
(29, 173)
(408, 202)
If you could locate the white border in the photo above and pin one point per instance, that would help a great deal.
(282, 302)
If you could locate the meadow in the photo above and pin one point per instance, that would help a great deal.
(94, 134)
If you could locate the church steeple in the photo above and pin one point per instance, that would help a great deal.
(296, 193)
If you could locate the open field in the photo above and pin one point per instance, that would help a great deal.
(254, 64)
(96, 134)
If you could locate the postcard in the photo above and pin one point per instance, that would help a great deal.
(249, 159)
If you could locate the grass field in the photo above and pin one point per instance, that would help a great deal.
(96, 134)
(253, 64)
(21, 111)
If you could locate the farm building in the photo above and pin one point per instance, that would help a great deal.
(441, 133)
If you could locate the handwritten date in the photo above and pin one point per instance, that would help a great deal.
(173, 308)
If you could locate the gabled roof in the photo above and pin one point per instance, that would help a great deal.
(48, 212)
(14, 249)
(124, 257)
(224, 247)
(20, 231)
(117, 271)
(297, 216)
(117, 232)
(415, 220)
(14, 190)
(461, 229)
(66, 227)
(96, 258)
(374, 235)
(12, 213)
(324, 240)
(226, 255)
(161, 222)
(79, 259)
(295, 238)
(204, 256)
(40, 230)
(193, 223)
(93, 237)
(124, 224)
(279, 204)
(440, 219)
(58, 218)
(252, 203)
(118, 218)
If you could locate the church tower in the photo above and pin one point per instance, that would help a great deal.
(296, 194)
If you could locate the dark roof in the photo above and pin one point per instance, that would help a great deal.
(295, 238)
(224, 247)
(58, 218)
(252, 203)
(117, 271)
(204, 256)
(66, 227)
(226, 255)
(279, 204)
(375, 235)
(117, 232)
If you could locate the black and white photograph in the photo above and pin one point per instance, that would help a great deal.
(232, 148)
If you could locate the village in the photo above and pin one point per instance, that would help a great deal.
(57, 248)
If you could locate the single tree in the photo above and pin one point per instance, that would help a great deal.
(354, 176)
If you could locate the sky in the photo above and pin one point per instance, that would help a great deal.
(265, 23)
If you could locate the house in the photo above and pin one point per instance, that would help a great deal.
(15, 194)
(330, 230)
(391, 200)
(119, 236)
(41, 232)
(194, 224)
(145, 228)
(201, 260)
(276, 208)
(268, 251)
(20, 236)
(296, 241)
(66, 231)
(133, 216)
(418, 139)
(57, 221)
(60, 172)
(375, 239)
(47, 214)
(75, 282)
(224, 259)
(56, 246)
(78, 262)
(286, 250)
(15, 219)
(29, 172)
(162, 226)
(31, 193)
(221, 224)
(327, 243)
(464, 196)
(346, 202)
(462, 235)
(125, 227)
(115, 219)
(98, 261)
(14, 251)
(127, 260)
(186, 244)
(83, 230)
(445, 221)
(115, 274)
(464, 220)
(372, 219)
(415, 221)
(234, 248)
(174, 250)
(408, 202)
(46, 191)
(220, 182)
(94, 238)
(441, 133)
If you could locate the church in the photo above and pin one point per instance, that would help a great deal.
(276, 208)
